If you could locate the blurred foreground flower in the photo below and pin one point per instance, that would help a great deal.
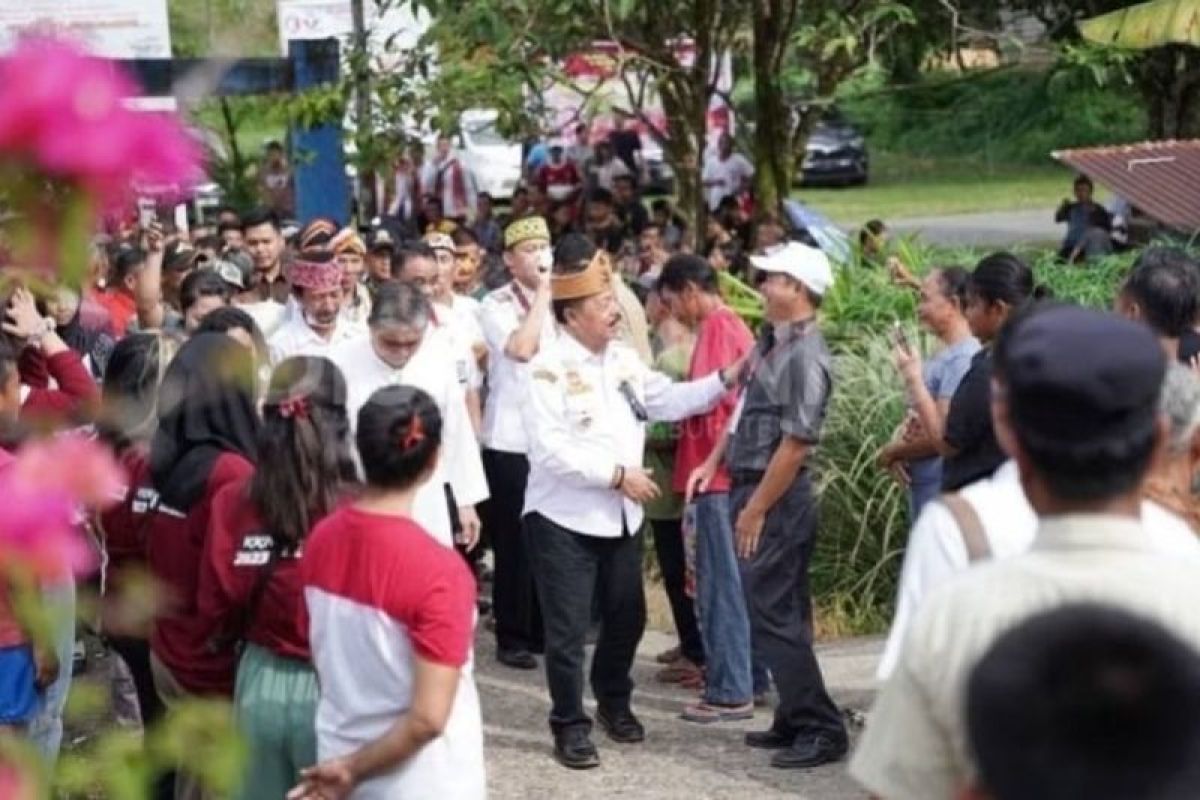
(71, 149)
(15, 783)
(44, 490)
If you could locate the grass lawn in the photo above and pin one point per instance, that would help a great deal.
(904, 187)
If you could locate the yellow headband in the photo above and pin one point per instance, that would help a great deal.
(595, 279)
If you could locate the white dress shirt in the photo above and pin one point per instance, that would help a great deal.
(296, 338)
(461, 333)
(500, 314)
(431, 369)
(267, 315)
(581, 428)
(936, 551)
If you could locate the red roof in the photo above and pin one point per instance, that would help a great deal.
(1162, 179)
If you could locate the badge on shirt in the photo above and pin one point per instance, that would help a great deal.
(544, 375)
(255, 551)
(576, 384)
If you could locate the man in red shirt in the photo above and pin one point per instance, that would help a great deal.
(689, 288)
(558, 178)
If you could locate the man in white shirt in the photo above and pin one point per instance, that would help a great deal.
(316, 280)
(1083, 426)
(416, 263)
(587, 401)
(725, 174)
(451, 181)
(351, 252)
(399, 351)
(516, 324)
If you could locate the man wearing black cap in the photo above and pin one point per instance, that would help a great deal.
(1075, 403)
(381, 250)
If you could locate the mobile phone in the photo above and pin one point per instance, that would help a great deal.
(147, 213)
(900, 337)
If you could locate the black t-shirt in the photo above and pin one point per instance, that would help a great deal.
(1189, 347)
(634, 217)
(969, 428)
(625, 144)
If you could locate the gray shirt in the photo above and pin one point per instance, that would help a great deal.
(787, 395)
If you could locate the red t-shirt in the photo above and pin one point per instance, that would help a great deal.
(563, 175)
(236, 552)
(121, 308)
(76, 389)
(722, 339)
(174, 547)
(390, 566)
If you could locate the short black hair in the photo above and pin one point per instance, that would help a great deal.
(202, 283)
(410, 250)
(1002, 277)
(399, 433)
(1165, 284)
(231, 318)
(210, 242)
(261, 216)
(1086, 701)
(684, 269)
(1081, 469)
(399, 303)
(955, 283)
(872, 229)
(601, 196)
(464, 236)
(228, 225)
(1084, 180)
(572, 255)
(661, 204)
(623, 177)
(126, 262)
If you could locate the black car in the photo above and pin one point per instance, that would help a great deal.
(836, 154)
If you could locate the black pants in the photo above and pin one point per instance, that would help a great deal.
(775, 582)
(514, 599)
(668, 547)
(571, 569)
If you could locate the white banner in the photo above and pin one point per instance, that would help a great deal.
(108, 28)
(324, 19)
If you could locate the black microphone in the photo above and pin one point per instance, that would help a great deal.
(635, 405)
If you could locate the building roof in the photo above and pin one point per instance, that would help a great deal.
(1162, 179)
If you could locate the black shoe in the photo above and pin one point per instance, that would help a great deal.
(811, 751)
(573, 748)
(770, 739)
(621, 726)
(517, 659)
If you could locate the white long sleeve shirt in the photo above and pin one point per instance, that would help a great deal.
(500, 314)
(431, 369)
(296, 338)
(581, 429)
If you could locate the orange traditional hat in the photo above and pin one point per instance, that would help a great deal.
(595, 279)
(348, 241)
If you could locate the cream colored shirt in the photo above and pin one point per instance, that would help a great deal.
(296, 338)
(915, 744)
(936, 552)
(581, 427)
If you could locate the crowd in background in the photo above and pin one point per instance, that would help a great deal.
(326, 430)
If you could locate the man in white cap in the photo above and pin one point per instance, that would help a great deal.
(316, 280)
(770, 441)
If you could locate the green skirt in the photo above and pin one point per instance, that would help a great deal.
(276, 705)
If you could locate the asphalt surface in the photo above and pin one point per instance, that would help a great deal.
(678, 760)
(992, 229)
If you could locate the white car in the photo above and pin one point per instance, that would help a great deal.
(494, 161)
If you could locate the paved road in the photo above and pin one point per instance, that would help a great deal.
(993, 229)
(678, 761)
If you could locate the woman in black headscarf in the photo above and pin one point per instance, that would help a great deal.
(82, 335)
(207, 428)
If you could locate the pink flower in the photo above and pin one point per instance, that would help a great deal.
(63, 111)
(14, 785)
(45, 488)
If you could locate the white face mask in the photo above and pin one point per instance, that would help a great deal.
(545, 259)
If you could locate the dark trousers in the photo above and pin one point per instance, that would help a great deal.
(136, 655)
(571, 569)
(668, 548)
(514, 599)
(775, 582)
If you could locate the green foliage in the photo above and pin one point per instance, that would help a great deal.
(998, 116)
(230, 27)
(864, 517)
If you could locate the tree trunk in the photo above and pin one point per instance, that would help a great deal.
(772, 141)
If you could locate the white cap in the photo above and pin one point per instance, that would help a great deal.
(806, 264)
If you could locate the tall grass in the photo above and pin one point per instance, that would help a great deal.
(864, 516)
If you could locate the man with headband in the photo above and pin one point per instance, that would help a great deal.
(587, 400)
(516, 324)
(316, 279)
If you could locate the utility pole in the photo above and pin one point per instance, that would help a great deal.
(360, 65)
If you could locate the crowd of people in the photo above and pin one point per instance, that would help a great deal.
(325, 432)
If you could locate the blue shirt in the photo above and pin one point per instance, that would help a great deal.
(942, 374)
